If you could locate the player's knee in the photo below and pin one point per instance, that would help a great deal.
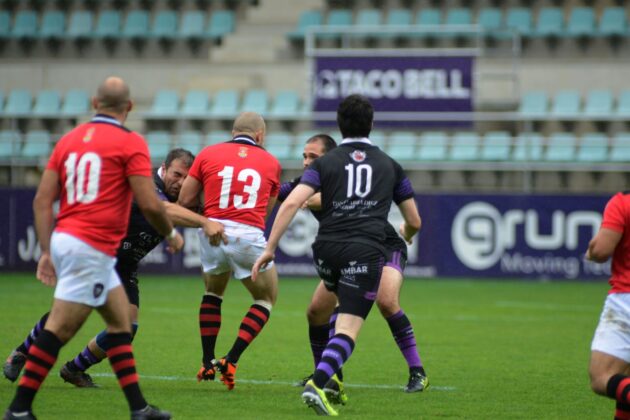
(387, 306)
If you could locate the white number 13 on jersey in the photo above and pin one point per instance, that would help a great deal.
(227, 174)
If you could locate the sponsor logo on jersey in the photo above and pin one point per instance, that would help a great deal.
(242, 152)
(358, 155)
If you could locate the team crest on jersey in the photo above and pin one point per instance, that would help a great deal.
(88, 135)
(358, 155)
(242, 152)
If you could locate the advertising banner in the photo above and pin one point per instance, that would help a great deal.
(463, 235)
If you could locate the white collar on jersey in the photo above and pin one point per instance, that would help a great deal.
(245, 138)
(105, 118)
(356, 140)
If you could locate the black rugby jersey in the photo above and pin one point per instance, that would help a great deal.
(285, 190)
(358, 183)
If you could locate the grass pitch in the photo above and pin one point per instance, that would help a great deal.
(492, 349)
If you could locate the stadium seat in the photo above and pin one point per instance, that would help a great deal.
(5, 24)
(433, 146)
(519, 19)
(528, 148)
(255, 100)
(496, 146)
(76, 103)
(159, 143)
(9, 143)
(533, 105)
(286, 104)
(593, 148)
(37, 144)
(280, 144)
(378, 138)
(465, 146)
(566, 104)
(368, 18)
(458, 16)
(190, 140)
(47, 104)
(550, 22)
(307, 19)
(192, 24)
(581, 22)
(613, 22)
(620, 151)
(80, 25)
(428, 17)
(53, 25)
(136, 26)
(18, 103)
(623, 104)
(220, 24)
(560, 147)
(491, 20)
(335, 18)
(215, 137)
(225, 104)
(599, 103)
(108, 25)
(402, 145)
(164, 25)
(401, 17)
(196, 104)
(25, 25)
(165, 104)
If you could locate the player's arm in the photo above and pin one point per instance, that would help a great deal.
(181, 216)
(153, 210)
(412, 221)
(270, 205)
(314, 203)
(47, 193)
(189, 193)
(603, 245)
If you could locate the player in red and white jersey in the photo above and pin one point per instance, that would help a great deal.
(93, 171)
(609, 367)
(240, 182)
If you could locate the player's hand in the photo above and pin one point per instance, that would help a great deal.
(265, 258)
(403, 233)
(175, 244)
(215, 233)
(46, 270)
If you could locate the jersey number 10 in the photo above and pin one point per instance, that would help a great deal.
(359, 180)
(79, 188)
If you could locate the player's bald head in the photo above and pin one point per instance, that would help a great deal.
(249, 123)
(112, 95)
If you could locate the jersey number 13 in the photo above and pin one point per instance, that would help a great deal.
(251, 188)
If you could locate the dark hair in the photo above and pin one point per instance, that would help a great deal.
(328, 142)
(184, 155)
(354, 116)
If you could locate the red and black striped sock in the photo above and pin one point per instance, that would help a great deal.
(120, 355)
(252, 323)
(209, 325)
(42, 355)
(622, 411)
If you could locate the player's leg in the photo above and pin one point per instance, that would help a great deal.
(16, 360)
(210, 320)
(388, 302)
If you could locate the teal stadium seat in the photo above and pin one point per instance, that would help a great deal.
(335, 18)
(520, 20)
(623, 104)
(9, 143)
(280, 144)
(593, 148)
(397, 17)
(37, 144)
(18, 104)
(428, 17)
(136, 26)
(165, 104)
(566, 104)
(368, 18)
(25, 25)
(191, 141)
(378, 138)
(620, 150)
(496, 146)
(53, 25)
(560, 148)
(491, 21)
(465, 146)
(550, 23)
(76, 103)
(196, 104)
(599, 103)
(80, 25)
(528, 148)
(402, 145)
(433, 146)
(108, 25)
(5, 25)
(581, 22)
(47, 104)
(220, 24)
(255, 100)
(159, 143)
(225, 104)
(192, 24)
(307, 19)
(534, 105)
(164, 25)
(458, 16)
(613, 22)
(286, 105)
(216, 137)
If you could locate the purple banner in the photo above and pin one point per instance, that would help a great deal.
(484, 236)
(395, 84)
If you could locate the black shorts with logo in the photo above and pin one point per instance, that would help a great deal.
(352, 271)
(129, 280)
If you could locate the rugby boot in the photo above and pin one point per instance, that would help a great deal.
(316, 399)
(334, 391)
(14, 364)
(228, 370)
(76, 377)
(206, 373)
(417, 382)
(150, 412)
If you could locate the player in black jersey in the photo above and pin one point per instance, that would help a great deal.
(358, 183)
(141, 239)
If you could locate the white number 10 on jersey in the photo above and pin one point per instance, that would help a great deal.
(78, 188)
(359, 180)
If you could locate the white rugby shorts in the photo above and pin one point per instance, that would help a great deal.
(612, 335)
(245, 244)
(84, 274)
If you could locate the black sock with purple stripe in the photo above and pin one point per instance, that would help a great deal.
(337, 351)
(32, 336)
